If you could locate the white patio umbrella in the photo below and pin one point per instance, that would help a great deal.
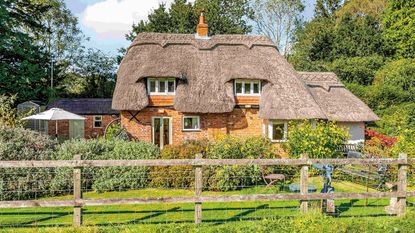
(55, 114)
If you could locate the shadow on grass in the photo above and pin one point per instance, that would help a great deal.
(153, 214)
(343, 207)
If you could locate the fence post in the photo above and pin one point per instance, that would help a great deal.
(198, 190)
(304, 185)
(77, 192)
(401, 186)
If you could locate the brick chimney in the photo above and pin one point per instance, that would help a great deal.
(202, 29)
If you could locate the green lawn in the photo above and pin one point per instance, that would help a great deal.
(149, 216)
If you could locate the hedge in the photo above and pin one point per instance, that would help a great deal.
(105, 179)
(25, 183)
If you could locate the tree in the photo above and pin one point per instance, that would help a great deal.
(399, 27)
(357, 36)
(93, 75)
(23, 63)
(62, 38)
(373, 8)
(313, 45)
(277, 19)
(397, 79)
(326, 8)
(360, 70)
(223, 17)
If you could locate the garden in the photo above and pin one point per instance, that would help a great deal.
(318, 141)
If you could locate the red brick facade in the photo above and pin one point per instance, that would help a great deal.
(89, 132)
(239, 122)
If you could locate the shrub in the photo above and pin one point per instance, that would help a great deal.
(385, 140)
(405, 143)
(375, 147)
(116, 132)
(321, 140)
(22, 144)
(177, 176)
(105, 179)
(225, 178)
(218, 178)
(8, 114)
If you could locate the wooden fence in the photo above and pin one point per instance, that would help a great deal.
(198, 163)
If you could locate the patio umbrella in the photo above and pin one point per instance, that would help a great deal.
(55, 114)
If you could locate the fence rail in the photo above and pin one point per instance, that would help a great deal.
(78, 202)
(195, 162)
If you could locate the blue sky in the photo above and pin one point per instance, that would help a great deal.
(106, 22)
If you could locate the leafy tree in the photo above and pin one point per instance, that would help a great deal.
(360, 70)
(93, 75)
(313, 45)
(328, 44)
(396, 82)
(357, 36)
(277, 19)
(23, 63)
(326, 8)
(62, 39)
(373, 8)
(319, 140)
(223, 17)
(399, 26)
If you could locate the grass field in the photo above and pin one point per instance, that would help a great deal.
(151, 217)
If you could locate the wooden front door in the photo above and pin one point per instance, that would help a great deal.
(161, 131)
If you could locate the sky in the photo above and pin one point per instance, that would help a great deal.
(106, 22)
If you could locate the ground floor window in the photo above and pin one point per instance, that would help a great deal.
(191, 123)
(97, 121)
(277, 131)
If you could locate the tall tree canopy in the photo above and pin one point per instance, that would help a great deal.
(39, 35)
(399, 22)
(370, 45)
(277, 19)
(326, 8)
(223, 17)
(23, 63)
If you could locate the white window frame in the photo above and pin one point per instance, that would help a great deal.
(157, 86)
(252, 82)
(270, 130)
(95, 120)
(198, 123)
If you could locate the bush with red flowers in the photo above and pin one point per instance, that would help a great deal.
(384, 139)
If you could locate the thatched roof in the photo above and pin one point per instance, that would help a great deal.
(205, 69)
(85, 106)
(335, 100)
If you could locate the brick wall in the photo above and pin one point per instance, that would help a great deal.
(240, 122)
(90, 131)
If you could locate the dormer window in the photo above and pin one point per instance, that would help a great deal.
(247, 87)
(161, 86)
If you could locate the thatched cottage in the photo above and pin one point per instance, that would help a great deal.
(175, 87)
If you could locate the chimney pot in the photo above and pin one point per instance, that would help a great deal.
(202, 29)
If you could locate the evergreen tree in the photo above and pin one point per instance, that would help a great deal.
(223, 17)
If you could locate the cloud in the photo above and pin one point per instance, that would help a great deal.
(112, 19)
